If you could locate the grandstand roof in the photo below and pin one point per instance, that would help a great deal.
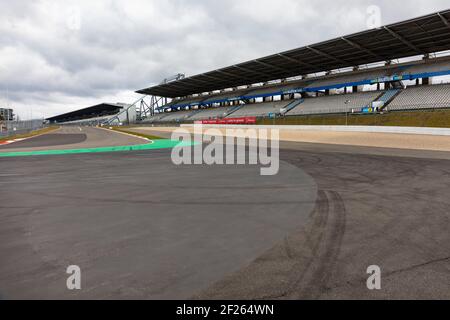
(426, 34)
(86, 112)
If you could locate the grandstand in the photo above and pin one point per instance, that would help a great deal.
(97, 115)
(384, 69)
(315, 94)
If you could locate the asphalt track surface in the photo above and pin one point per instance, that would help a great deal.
(47, 140)
(140, 227)
(68, 138)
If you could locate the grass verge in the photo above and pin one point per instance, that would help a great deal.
(432, 119)
(29, 135)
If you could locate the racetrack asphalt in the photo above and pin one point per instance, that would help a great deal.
(140, 227)
(75, 137)
(47, 140)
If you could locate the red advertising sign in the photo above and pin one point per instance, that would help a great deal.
(246, 120)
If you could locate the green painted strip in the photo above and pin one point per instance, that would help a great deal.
(157, 144)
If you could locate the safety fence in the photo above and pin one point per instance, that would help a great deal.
(9, 128)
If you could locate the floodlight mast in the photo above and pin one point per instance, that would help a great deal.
(147, 109)
(177, 77)
(147, 104)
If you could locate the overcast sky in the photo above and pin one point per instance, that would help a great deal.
(58, 56)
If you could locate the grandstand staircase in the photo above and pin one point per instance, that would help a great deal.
(229, 113)
(292, 106)
(194, 113)
(388, 96)
(397, 85)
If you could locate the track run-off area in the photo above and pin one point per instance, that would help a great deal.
(140, 227)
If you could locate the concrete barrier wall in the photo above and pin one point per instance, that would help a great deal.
(375, 129)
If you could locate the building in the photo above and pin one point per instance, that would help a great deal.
(6, 114)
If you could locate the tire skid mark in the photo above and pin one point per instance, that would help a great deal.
(325, 239)
(315, 257)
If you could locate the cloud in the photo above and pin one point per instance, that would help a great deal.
(57, 56)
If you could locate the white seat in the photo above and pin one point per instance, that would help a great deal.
(338, 103)
(260, 109)
(422, 97)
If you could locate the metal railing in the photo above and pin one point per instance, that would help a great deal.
(10, 128)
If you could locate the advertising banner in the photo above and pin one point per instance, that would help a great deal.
(244, 120)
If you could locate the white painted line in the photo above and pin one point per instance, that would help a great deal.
(130, 135)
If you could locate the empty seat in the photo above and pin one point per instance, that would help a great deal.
(422, 97)
(338, 103)
(155, 118)
(260, 109)
(212, 113)
(428, 68)
(177, 116)
(348, 78)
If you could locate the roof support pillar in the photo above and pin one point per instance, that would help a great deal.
(426, 81)
(445, 21)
